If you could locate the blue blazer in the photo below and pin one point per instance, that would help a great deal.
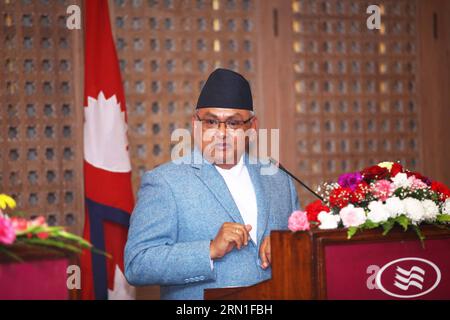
(179, 210)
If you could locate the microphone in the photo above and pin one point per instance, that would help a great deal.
(295, 178)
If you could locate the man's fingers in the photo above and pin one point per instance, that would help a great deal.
(242, 232)
(239, 229)
(268, 250)
(265, 253)
(245, 232)
(264, 260)
(248, 228)
(262, 255)
(234, 237)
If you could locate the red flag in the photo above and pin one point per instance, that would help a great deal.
(107, 170)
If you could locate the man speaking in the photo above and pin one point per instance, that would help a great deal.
(206, 224)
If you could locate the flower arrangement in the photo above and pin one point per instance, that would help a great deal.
(15, 230)
(378, 196)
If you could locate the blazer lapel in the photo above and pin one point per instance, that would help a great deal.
(216, 184)
(261, 199)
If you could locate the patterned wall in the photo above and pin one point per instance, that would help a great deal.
(167, 49)
(39, 122)
(355, 88)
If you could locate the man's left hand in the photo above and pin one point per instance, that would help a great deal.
(264, 253)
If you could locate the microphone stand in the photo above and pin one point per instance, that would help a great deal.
(296, 179)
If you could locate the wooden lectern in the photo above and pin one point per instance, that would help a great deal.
(324, 264)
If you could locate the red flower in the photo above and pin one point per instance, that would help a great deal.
(441, 189)
(314, 208)
(374, 173)
(396, 168)
(43, 235)
(360, 192)
(340, 197)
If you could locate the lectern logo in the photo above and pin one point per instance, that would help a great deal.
(408, 277)
(414, 277)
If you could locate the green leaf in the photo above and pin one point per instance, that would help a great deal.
(83, 243)
(103, 253)
(351, 232)
(78, 239)
(10, 254)
(403, 221)
(32, 230)
(387, 226)
(52, 243)
(370, 224)
(420, 235)
(443, 218)
(39, 229)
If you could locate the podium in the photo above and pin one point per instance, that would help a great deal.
(41, 275)
(324, 264)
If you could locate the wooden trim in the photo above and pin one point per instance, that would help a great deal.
(78, 61)
(433, 80)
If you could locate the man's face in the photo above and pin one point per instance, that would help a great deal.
(221, 144)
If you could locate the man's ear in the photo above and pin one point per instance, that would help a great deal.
(255, 123)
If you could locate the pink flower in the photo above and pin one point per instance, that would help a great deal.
(417, 183)
(352, 217)
(39, 221)
(19, 224)
(383, 189)
(298, 221)
(7, 234)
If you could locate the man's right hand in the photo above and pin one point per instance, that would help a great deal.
(229, 236)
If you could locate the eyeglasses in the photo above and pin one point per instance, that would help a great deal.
(229, 124)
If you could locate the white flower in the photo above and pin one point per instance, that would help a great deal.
(352, 217)
(378, 212)
(401, 181)
(431, 209)
(414, 210)
(395, 206)
(446, 207)
(328, 220)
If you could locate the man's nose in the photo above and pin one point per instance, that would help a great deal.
(222, 129)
